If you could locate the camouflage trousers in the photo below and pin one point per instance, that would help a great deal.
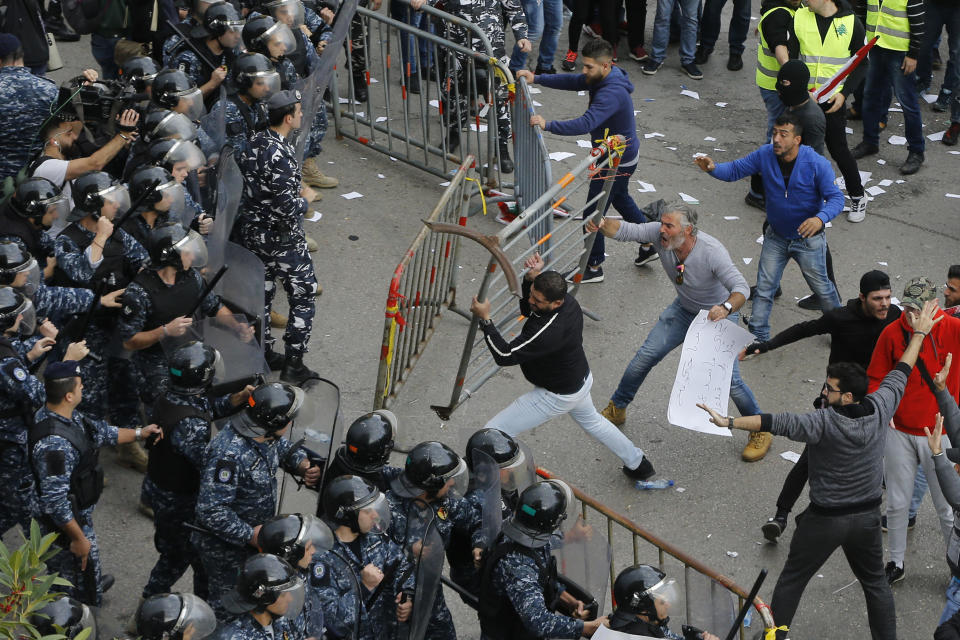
(19, 501)
(317, 132)
(222, 563)
(109, 386)
(172, 541)
(87, 585)
(455, 90)
(293, 267)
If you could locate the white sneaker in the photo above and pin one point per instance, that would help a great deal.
(858, 209)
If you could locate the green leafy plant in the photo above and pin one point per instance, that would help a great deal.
(25, 586)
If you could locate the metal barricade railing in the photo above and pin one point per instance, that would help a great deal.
(701, 584)
(423, 284)
(460, 86)
(533, 173)
(565, 248)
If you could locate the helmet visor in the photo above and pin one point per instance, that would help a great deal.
(664, 593)
(374, 516)
(172, 199)
(191, 104)
(192, 250)
(27, 278)
(175, 126)
(197, 620)
(264, 83)
(58, 205)
(315, 531)
(288, 12)
(572, 512)
(116, 201)
(290, 597)
(458, 480)
(279, 40)
(519, 473)
(186, 153)
(28, 318)
(88, 621)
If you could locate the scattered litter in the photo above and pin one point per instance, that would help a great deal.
(875, 191)
(709, 139)
(435, 104)
(537, 104)
(721, 104)
(882, 264)
(885, 183)
(691, 200)
(731, 217)
(473, 127)
(936, 136)
(732, 554)
(652, 135)
(381, 176)
(952, 195)
(760, 240)
(584, 144)
(316, 216)
(848, 130)
(680, 489)
(954, 153)
(352, 195)
(897, 140)
(373, 80)
(645, 187)
(445, 184)
(715, 149)
(747, 260)
(672, 148)
(881, 161)
(845, 586)
(561, 155)
(709, 535)
(792, 456)
(900, 181)
(865, 176)
(535, 90)
(381, 118)
(581, 93)
(692, 94)
(699, 155)
(895, 109)
(930, 98)
(828, 225)
(353, 238)
(360, 114)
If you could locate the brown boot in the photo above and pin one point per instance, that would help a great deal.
(277, 320)
(757, 446)
(132, 455)
(314, 177)
(312, 245)
(615, 414)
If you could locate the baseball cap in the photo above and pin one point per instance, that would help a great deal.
(8, 44)
(918, 291)
(65, 369)
(283, 99)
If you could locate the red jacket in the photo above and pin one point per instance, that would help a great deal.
(918, 409)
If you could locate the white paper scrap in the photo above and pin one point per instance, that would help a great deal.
(895, 109)
(747, 260)
(445, 184)
(435, 104)
(897, 140)
(537, 104)
(584, 144)
(352, 195)
(952, 195)
(692, 94)
(709, 139)
(885, 183)
(930, 98)
(731, 217)
(581, 93)
(900, 181)
(760, 240)
(882, 263)
(688, 198)
(875, 191)
(672, 148)
(373, 80)
(936, 136)
(313, 218)
(792, 456)
(561, 155)
(652, 135)
(381, 118)
(848, 131)
(732, 554)
(881, 161)
(703, 376)
(535, 90)
(473, 127)
(645, 187)
(381, 176)
(954, 153)
(721, 104)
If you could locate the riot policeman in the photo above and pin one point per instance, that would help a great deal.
(517, 469)
(138, 73)
(164, 201)
(644, 597)
(199, 8)
(184, 160)
(365, 452)
(174, 616)
(519, 589)
(216, 36)
(65, 449)
(32, 209)
(268, 596)
(66, 616)
(173, 89)
(362, 554)
(238, 485)
(245, 112)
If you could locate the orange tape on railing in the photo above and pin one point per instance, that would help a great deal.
(566, 179)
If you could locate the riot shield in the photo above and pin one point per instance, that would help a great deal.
(313, 86)
(426, 548)
(229, 189)
(318, 430)
(583, 562)
(485, 482)
(710, 606)
(214, 122)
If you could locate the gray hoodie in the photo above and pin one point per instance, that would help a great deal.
(947, 476)
(845, 445)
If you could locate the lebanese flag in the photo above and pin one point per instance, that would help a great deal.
(826, 91)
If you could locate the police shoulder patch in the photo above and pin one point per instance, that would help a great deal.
(319, 570)
(19, 374)
(225, 472)
(56, 463)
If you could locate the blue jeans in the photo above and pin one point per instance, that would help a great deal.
(739, 24)
(935, 18)
(544, 22)
(102, 50)
(919, 490)
(688, 29)
(411, 44)
(667, 335)
(810, 254)
(620, 199)
(885, 68)
(953, 601)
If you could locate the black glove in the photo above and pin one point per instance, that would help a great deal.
(756, 346)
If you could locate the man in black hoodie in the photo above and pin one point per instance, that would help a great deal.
(550, 353)
(854, 330)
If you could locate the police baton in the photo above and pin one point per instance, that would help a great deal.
(206, 290)
(747, 604)
(200, 54)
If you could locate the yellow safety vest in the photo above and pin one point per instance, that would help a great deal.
(767, 64)
(888, 20)
(823, 57)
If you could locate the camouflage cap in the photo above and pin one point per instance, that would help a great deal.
(918, 291)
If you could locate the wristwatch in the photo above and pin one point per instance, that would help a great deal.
(728, 307)
(487, 322)
(729, 422)
(138, 434)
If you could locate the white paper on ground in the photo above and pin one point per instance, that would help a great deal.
(760, 240)
(881, 161)
(721, 104)
(848, 131)
(584, 144)
(561, 155)
(435, 104)
(581, 93)
(688, 198)
(352, 195)
(381, 118)
(535, 90)
(445, 184)
(652, 135)
(897, 140)
(709, 352)
(895, 109)
(645, 187)
(828, 225)
(731, 217)
(537, 104)
(699, 155)
(865, 176)
(952, 195)
(692, 94)
(381, 176)
(936, 136)
(885, 183)
(747, 260)
(882, 263)
(900, 181)
(792, 456)
(373, 80)
(314, 217)
(473, 127)
(709, 139)
(672, 148)
(954, 153)
(875, 191)
(930, 98)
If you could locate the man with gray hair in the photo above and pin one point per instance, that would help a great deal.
(705, 279)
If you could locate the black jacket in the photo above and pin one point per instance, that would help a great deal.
(549, 348)
(853, 334)
(949, 630)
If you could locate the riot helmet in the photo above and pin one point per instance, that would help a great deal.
(431, 468)
(163, 124)
(40, 202)
(170, 245)
(200, 7)
(169, 616)
(292, 536)
(176, 155)
(355, 502)
(66, 616)
(271, 407)
(267, 584)
(265, 35)
(288, 12)
(255, 75)
(369, 441)
(192, 367)
(14, 304)
(516, 467)
(175, 90)
(96, 193)
(644, 590)
(18, 268)
(157, 186)
(541, 511)
(139, 72)
(222, 21)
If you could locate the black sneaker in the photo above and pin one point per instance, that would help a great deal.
(692, 70)
(941, 104)
(413, 84)
(644, 470)
(702, 55)
(913, 163)
(810, 303)
(757, 202)
(773, 528)
(894, 573)
(646, 254)
(569, 61)
(735, 62)
(544, 70)
(650, 67)
(864, 149)
(590, 275)
(274, 360)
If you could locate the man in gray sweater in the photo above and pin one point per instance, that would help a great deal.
(845, 442)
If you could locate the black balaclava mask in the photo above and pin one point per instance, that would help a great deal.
(792, 83)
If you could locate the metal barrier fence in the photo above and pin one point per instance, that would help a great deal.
(706, 591)
(565, 248)
(533, 173)
(411, 112)
(422, 285)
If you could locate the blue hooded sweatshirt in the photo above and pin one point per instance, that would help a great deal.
(610, 111)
